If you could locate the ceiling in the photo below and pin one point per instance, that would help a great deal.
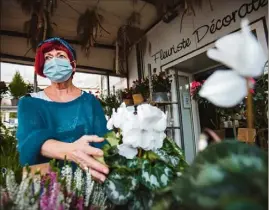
(14, 47)
(115, 13)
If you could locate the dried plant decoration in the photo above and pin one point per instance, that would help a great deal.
(39, 27)
(186, 7)
(89, 28)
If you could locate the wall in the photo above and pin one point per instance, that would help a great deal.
(199, 32)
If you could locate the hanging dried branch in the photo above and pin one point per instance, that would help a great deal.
(188, 8)
(128, 34)
(89, 26)
(39, 26)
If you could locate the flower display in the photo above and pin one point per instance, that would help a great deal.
(141, 158)
(142, 129)
(52, 191)
(227, 88)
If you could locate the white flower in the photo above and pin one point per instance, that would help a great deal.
(224, 88)
(145, 129)
(244, 54)
(127, 151)
(151, 118)
(240, 51)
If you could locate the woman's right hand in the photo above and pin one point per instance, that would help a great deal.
(82, 153)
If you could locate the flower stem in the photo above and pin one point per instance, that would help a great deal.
(139, 152)
(249, 106)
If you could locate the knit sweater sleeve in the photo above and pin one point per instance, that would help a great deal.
(31, 133)
(99, 122)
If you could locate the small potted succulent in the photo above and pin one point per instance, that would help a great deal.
(3, 90)
(126, 96)
(140, 91)
(18, 88)
(161, 85)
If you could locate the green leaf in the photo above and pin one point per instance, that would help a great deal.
(142, 200)
(120, 188)
(156, 175)
(221, 177)
(172, 155)
(112, 139)
(100, 159)
(135, 163)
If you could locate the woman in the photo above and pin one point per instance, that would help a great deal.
(62, 121)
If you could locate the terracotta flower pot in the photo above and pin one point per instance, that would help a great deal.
(247, 135)
(138, 99)
(14, 101)
(128, 102)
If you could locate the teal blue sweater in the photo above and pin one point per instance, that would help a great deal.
(40, 120)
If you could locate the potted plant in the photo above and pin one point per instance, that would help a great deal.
(18, 88)
(126, 96)
(109, 103)
(140, 91)
(161, 85)
(3, 90)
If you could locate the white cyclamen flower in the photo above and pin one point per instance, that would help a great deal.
(145, 129)
(243, 53)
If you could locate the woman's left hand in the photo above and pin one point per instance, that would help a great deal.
(82, 153)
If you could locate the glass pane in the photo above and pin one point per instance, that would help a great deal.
(117, 83)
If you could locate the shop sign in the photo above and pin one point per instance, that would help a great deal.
(215, 25)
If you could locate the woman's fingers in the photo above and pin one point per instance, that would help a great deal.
(93, 151)
(92, 163)
(93, 138)
(97, 175)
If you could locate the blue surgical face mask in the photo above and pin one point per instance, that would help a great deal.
(58, 70)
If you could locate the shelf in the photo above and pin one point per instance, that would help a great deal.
(166, 102)
(8, 108)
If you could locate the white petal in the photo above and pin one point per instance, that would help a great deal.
(132, 138)
(109, 124)
(202, 143)
(224, 88)
(161, 125)
(240, 51)
(149, 116)
(127, 151)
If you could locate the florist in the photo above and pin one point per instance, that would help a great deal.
(62, 121)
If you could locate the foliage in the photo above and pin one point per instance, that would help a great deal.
(148, 173)
(127, 93)
(260, 102)
(141, 87)
(89, 28)
(3, 89)
(17, 86)
(109, 102)
(9, 156)
(228, 175)
(57, 189)
(161, 82)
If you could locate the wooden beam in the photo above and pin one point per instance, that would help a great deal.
(87, 69)
(24, 35)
